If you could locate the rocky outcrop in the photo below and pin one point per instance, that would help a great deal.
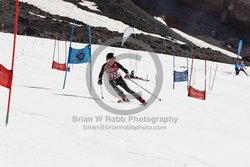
(245, 51)
(234, 12)
(212, 6)
(220, 22)
(239, 14)
(171, 21)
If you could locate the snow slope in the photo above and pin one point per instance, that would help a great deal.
(41, 131)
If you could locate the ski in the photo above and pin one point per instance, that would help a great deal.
(121, 101)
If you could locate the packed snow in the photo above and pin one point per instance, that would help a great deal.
(42, 131)
(43, 17)
(90, 5)
(161, 20)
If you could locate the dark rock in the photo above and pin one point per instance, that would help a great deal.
(224, 17)
(245, 54)
(233, 41)
(195, 4)
(239, 14)
(171, 21)
(213, 33)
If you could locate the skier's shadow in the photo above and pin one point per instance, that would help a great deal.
(91, 98)
(37, 87)
(77, 96)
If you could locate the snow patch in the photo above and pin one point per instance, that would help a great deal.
(43, 17)
(160, 20)
(90, 5)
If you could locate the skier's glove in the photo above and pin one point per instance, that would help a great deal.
(127, 76)
(100, 82)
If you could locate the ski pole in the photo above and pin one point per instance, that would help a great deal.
(101, 91)
(209, 88)
(145, 89)
(214, 76)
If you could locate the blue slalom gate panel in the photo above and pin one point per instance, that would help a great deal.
(180, 76)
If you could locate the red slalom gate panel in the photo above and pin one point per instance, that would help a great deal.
(58, 66)
(192, 92)
(5, 77)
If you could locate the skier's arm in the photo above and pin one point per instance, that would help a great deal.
(101, 72)
(122, 68)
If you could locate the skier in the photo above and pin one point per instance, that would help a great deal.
(111, 68)
(242, 67)
(237, 68)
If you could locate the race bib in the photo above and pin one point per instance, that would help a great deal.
(113, 75)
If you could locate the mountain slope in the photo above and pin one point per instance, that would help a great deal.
(45, 23)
